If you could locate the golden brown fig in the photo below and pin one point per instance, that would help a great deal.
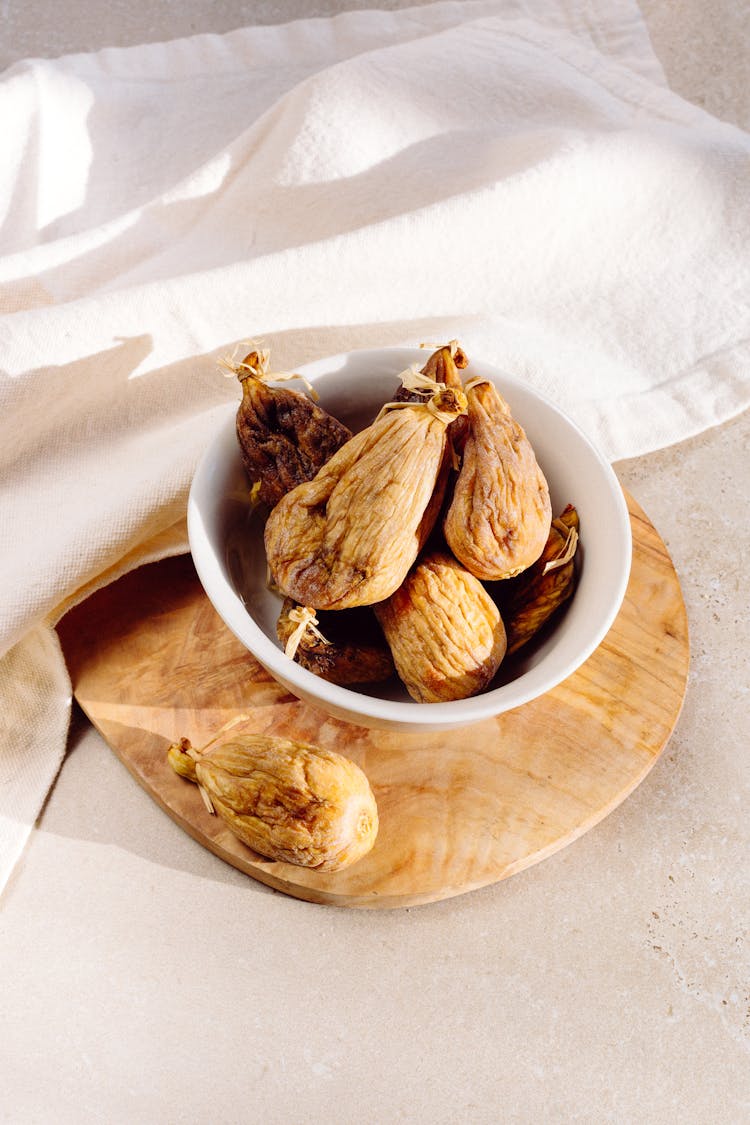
(349, 536)
(445, 631)
(286, 800)
(499, 518)
(529, 601)
(284, 436)
(345, 647)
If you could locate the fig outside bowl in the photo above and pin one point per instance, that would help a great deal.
(226, 541)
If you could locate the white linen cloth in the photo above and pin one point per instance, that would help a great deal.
(515, 174)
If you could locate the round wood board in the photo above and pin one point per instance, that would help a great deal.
(151, 662)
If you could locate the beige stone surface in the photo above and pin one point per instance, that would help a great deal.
(143, 980)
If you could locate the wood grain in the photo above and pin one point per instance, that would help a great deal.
(151, 661)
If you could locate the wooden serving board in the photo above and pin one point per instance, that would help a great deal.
(151, 661)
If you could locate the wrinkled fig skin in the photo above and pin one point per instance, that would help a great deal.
(349, 536)
(446, 634)
(284, 437)
(291, 802)
(500, 515)
(356, 652)
(529, 601)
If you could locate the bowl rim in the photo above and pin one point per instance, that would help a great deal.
(337, 698)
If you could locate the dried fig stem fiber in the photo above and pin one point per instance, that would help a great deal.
(298, 622)
(442, 368)
(284, 436)
(445, 632)
(499, 518)
(535, 595)
(348, 537)
(286, 800)
(348, 648)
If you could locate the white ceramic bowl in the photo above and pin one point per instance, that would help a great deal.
(227, 548)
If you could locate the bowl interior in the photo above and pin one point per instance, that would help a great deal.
(226, 540)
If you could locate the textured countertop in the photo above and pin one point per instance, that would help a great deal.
(144, 980)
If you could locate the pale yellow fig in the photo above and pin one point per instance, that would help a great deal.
(286, 800)
(445, 632)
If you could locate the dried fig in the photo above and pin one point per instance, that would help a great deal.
(286, 800)
(499, 517)
(284, 436)
(345, 646)
(349, 536)
(529, 601)
(446, 634)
